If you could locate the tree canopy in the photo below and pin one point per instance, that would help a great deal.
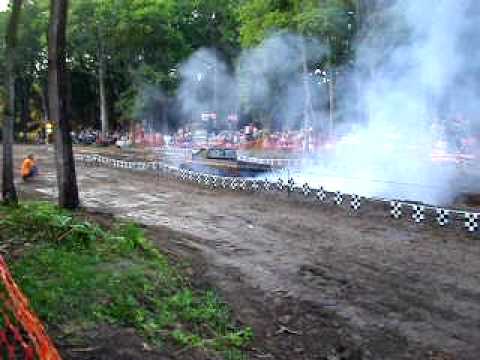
(122, 46)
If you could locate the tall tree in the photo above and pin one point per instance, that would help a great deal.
(9, 193)
(57, 94)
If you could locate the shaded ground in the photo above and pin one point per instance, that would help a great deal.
(314, 281)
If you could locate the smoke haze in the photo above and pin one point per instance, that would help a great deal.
(416, 74)
(267, 78)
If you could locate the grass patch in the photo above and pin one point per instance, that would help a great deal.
(76, 272)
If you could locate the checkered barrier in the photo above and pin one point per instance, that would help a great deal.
(22, 335)
(416, 212)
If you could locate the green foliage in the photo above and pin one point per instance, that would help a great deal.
(325, 20)
(50, 223)
(234, 354)
(77, 274)
(259, 18)
(140, 42)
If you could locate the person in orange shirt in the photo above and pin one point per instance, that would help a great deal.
(29, 167)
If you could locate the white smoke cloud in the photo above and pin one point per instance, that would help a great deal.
(267, 77)
(4, 5)
(207, 85)
(421, 76)
(416, 72)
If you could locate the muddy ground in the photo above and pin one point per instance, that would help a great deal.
(315, 282)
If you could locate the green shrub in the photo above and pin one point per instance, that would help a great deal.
(78, 273)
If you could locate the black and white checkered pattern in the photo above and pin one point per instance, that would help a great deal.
(338, 198)
(243, 185)
(214, 182)
(355, 202)
(321, 194)
(471, 221)
(395, 209)
(306, 190)
(267, 185)
(178, 174)
(224, 183)
(291, 185)
(206, 180)
(280, 185)
(418, 213)
(443, 216)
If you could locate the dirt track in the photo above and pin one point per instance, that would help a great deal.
(313, 281)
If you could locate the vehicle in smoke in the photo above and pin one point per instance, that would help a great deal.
(223, 162)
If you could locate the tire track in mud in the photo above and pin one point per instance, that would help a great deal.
(363, 285)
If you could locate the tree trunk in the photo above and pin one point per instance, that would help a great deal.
(26, 91)
(57, 87)
(46, 114)
(133, 128)
(9, 194)
(44, 96)
(103, 94)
